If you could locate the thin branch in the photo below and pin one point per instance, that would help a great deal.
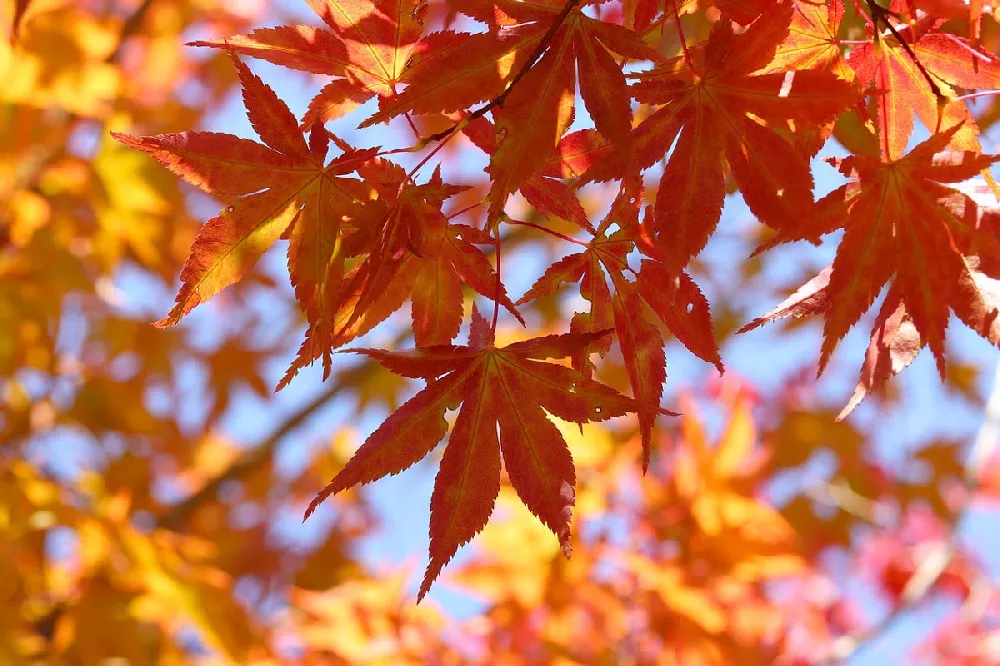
(452, 216)
(680, 34)
(941, 553)
(130, 27)
(498, 286)
(175, 516)
(881, 15)
(840, 495)
(550, 232)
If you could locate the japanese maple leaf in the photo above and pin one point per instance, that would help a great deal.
(366, 48)
(900, 79)
(268, 188)
(903, 225)
(408, 250)
(459, 70)
(899, 224)
(740, 533)
(491, 386)
(654, 296)
(895, 341)
(812, 41)
(721, 111)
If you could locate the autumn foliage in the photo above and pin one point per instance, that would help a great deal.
(491, 223)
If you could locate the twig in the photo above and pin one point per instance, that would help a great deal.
(129, 28)
(680, 34)
(941, 553)
(175, 516)
(550, 232)
(840, 495)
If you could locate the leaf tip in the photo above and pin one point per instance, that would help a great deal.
(319, 499)
(168, 321)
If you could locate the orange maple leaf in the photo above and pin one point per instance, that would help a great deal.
(813, 41)
(722, 110)
(268, 187)
(367, 50)
(920, 81)
(903, 225)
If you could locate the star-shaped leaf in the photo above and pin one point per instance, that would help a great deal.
(490, 384)
(267, 187)
(724, 108)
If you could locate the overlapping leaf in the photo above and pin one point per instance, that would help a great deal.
(409, 250)
(366, 48)
(458, 70)
(813, 41)
(656, 295)
(921, 81)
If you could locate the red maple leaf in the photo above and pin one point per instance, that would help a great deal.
(490, 385)
(647, 299)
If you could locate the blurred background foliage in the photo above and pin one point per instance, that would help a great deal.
(151, 484)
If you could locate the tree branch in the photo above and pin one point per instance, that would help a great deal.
(941, 553)
(129, 28)
(176, 515)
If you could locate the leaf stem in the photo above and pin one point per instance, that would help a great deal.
(680, 35)
(462, 211)
(977, 94)
(556, 234)
(660, 21)
(498, 285)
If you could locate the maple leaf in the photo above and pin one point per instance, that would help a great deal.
(408, 250)
(812, 41)
(490, 384)
(367, 49)
(268, 188)
(535, 112)
(450, 71)
(656, 295)
(897, 224)
(919, 79)
(544, 190)
(742, 533)
(721, 110)
(895, 343)
(903, 225)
